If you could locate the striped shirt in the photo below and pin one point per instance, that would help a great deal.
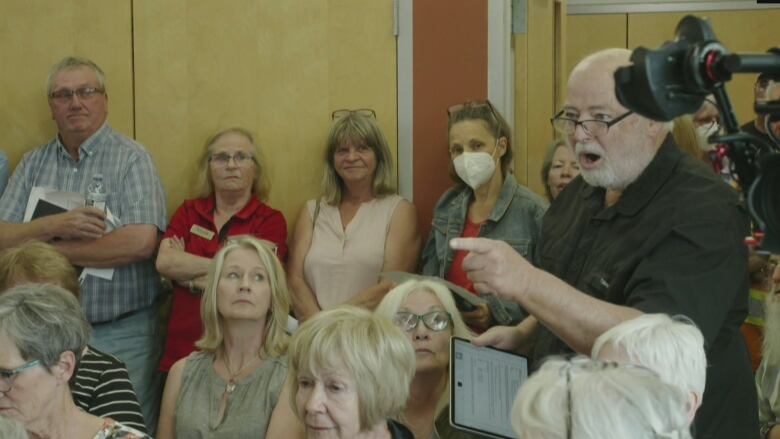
(135, 196)
(102, 387)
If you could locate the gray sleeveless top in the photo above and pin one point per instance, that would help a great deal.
(249, 407)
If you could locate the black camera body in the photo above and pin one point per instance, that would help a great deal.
(674, 80)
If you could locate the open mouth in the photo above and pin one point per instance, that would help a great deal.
(589, 160)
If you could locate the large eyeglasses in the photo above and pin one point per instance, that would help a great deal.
(434, 320)
(7, 376)
(84, 93)
(592, 127)
(239, 158)
(365, 112)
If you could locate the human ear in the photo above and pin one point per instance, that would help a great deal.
(66, 366)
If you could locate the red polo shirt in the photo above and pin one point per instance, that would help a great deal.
(256, 219)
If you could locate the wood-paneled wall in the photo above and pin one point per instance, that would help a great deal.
(746, 31)
(180, 70)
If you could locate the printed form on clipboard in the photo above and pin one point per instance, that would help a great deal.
(45, 201)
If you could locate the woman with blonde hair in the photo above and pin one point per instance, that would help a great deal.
(350, 371)
(234, 387)
(357, 229)
(427, 313)
(233, 185)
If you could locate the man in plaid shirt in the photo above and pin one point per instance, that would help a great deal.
(121, 307)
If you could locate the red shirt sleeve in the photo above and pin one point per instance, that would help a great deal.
(274, 228)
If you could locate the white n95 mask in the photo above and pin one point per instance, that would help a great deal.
(474, 168)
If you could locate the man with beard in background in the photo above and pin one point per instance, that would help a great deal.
(768, 374)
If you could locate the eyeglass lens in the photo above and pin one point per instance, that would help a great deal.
(434, 320)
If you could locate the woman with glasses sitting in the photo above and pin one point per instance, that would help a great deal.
(43, 333)
(426, 312)
(234, 387)
(100, 384)
(357, 229)
(486, 201)
(233, 184)
(589, 399)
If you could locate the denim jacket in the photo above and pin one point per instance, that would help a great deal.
(516, 219)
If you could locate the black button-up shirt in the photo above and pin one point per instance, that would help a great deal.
(673, 243)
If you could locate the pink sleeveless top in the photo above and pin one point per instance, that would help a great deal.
(343, 262)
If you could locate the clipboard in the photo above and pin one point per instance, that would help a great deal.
(483, 385)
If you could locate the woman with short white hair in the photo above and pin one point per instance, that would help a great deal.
(43, 333)
(350, 371)
(427, 313)
(673, 347)
(586, 399)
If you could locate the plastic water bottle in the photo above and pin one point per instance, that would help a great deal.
(96, 193)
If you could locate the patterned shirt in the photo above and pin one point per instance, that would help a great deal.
(135, 196)
(102, 387)
(114, 430)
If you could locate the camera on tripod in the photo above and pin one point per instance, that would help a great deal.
(676, 78)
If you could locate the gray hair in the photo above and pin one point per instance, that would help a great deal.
(601, 400)
(671, 346)
(43, 321)
(72, 62)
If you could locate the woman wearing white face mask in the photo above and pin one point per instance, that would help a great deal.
(486, 201)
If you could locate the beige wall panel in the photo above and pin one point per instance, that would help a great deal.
(277, 68)
(34, 34)
(739, 31)
(537, 57)
(586, 34)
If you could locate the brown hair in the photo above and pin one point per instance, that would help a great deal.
(496, 125)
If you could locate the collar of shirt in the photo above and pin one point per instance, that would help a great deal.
(90, 145)
(205, 207)
(641, 191)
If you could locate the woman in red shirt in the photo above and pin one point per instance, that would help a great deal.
(233, 186)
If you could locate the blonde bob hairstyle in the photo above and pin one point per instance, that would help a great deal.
(359, 129)
(394, 300)
(276, 338)
(36, 262)
(367, 348)
(204, 185)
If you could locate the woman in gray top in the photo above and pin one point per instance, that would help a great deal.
(234, 387)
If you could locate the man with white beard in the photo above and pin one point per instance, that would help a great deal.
(645, 229)
(768, 373)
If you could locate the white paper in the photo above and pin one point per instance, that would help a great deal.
(69, 201)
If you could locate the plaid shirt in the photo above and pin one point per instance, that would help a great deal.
(135, 196)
